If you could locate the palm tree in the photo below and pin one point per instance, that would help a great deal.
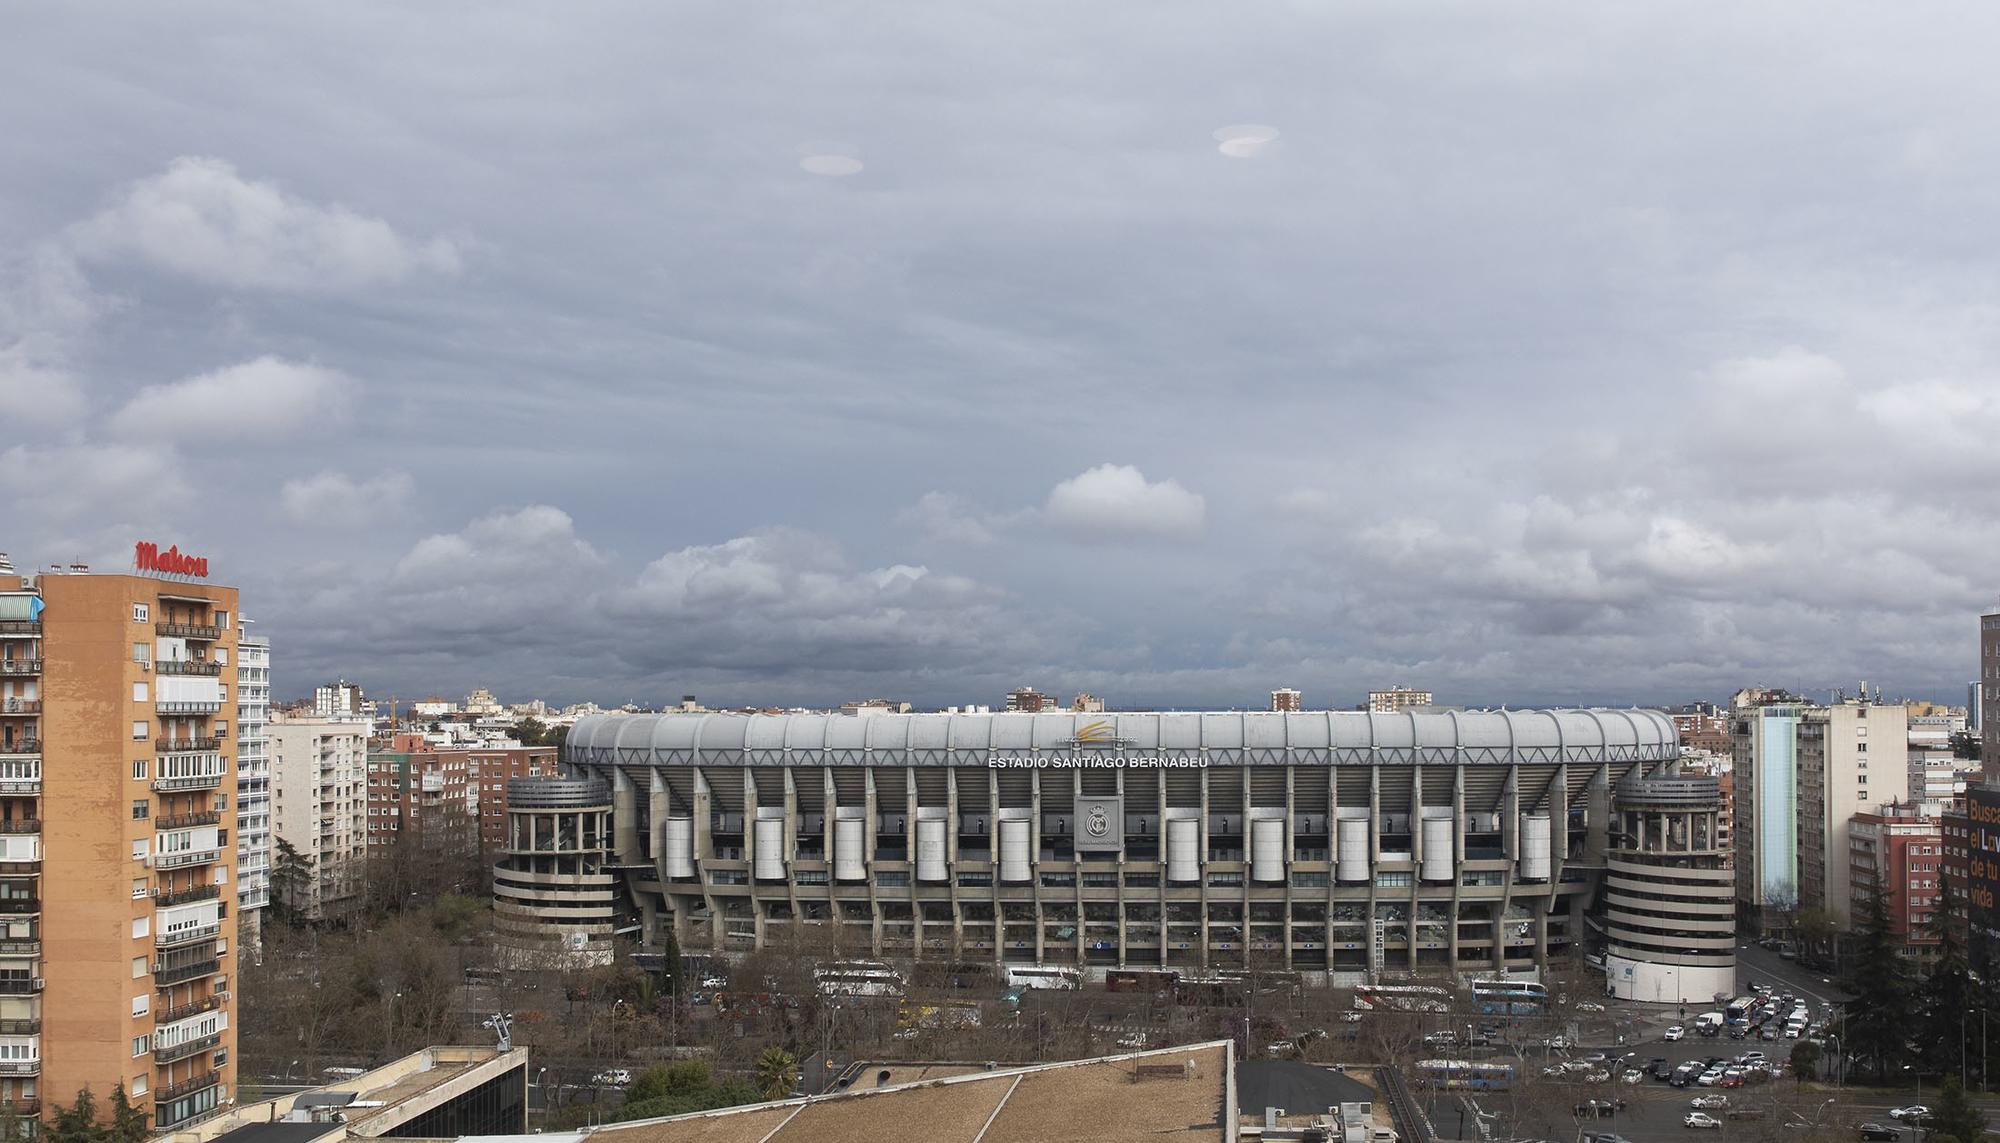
(777, 1073)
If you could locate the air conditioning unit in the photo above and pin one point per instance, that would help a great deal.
(39, 983)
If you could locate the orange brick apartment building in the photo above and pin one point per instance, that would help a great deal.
(117, 871)
(414, 780)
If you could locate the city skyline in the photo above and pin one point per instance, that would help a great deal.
(635, 352)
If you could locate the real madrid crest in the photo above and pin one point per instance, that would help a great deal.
(1099, 824)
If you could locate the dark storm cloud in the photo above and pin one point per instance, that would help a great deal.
(1173, 353)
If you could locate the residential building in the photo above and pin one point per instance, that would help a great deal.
(1338, 841)
(1976, 853)
(116, 766)
(1287, 699)
(1900, 851)
(1397, 698)
(482, 704)
(1955, 832)
(253, 788)
(1937, 774)
(491, 769)
(1702, 727)
(1086, 703)
(418, 784)
(1837, 746)
(1764, 729)
(1030, 700)
(1989, 695)
(338, 700)
(319, 806)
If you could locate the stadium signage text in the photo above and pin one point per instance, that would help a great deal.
(1093, 760)
(148, 557)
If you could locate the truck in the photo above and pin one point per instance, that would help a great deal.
(1708, 1023)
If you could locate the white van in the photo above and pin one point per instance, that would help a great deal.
(1708, 1023)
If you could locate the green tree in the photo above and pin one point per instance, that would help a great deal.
(1954, 1116)
(532, 731)
(76, 1123)
(777, 1073)
(291, 883)
(1877, 1019)
(1948, 995)
(128, 1122)
(1815, 929)
(1805, 1058)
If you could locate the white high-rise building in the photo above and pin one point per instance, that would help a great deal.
(319, 804)
(253, 788)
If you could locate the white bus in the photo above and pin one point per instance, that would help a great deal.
(858, 978)
(1038, 976)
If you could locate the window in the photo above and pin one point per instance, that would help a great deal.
(142, 808)
(222, 620)
(139, 692)
(140, 1044)
(141, 926)
(139, 730)
(142, 652)
(138, 1085)
(141, 613)
(222, 656)
(138, 968)
(138, 887)
(138, 769)
(142, 1004)
(139, 849)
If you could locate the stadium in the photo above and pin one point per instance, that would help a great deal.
(1340, 843)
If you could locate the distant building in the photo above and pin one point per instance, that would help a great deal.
(1031, 700)
(1287, 699)
(1989, 698)
(319, 805)
(338, 700)
(1839, 748)
(1703, 730)
(436, 706)
(1764, 727)
(1086, 703)
(874, 706)
(1397, 698)
(1902, 852)
(481, 703)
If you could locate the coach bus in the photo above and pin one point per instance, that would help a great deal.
(1464, 1075)
(1402, 998)
(1509, 997)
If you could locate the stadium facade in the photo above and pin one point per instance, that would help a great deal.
(1342, 842)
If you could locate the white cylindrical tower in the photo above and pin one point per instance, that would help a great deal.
(677, 840)
(1534, 846)
(931, 850)
(1183, 850)
(1353, 865)
(770, 849)
(849, 837)
(1439, 860)
(1267, 849)
(1014, 864)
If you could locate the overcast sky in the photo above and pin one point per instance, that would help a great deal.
(792, 353)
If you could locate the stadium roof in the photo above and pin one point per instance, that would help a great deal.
(1221, 738)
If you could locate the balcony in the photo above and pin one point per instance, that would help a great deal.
(21, 1108)
(186, 1048)
(20, 1067)
(165, 974)
(184, 782)
(20, 778)
(21, 825)
(18, 947)
(20, 906)
(187, 745)
(20, 627)
(21, 746)
(29, 1027)
(20, 666)
(188, 630)
(174, 1091)
(188, 936)
(193, 1008)
(186, 706)
(186, 667)
(20, 985)
(184, 821)
(186, 896)
(185, 858)
(20, 706)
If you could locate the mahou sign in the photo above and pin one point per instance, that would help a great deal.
(149, 557)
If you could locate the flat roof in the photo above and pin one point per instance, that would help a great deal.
(1183, 1094)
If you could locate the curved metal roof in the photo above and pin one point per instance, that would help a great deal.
(1220, 738)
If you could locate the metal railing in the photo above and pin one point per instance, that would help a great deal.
(186, 857)
(18, 906)
(30, 785)
(183, 896)
(187, 745)
(193, 1008)
(187, 1086)
(21, 825)
(22, 947)
(164, 974)
(20, 666)
(22, 746)
(184, 821)
(186, 667)
(20, 627)
(188, 936)
(20, 706)
(187, 706)
(188, 782)
(188, 630)
(32, 1026)
(186, 1048)
(20, 1067)
(20, 985)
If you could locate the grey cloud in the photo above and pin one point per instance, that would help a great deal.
(338, 500)
(253, 400)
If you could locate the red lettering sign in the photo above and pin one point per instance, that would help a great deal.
(149, 557)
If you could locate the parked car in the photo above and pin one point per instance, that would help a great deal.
(612, 1077)
(1700, 1119)
(1599, 1108)
(1676, 1032)
(1708, 1102)
(1876, 1133)
(1911, 1113)
(1589, 1006)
